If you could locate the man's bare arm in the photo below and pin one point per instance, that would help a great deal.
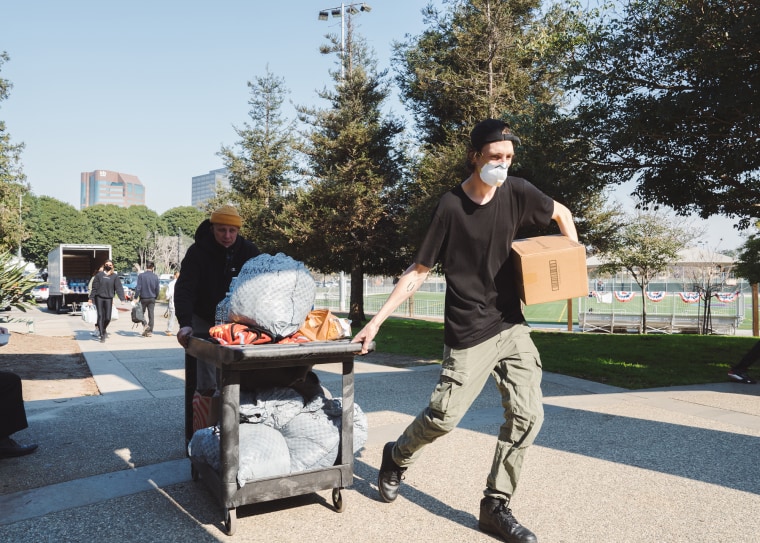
(409, 283)
(564, 220)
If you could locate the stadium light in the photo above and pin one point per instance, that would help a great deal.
(340, 11)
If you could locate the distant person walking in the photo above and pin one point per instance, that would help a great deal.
(105, 286)
(147, 289)
(95, 332)
(170, 299)
(738, 373)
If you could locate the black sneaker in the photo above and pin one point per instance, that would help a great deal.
(740, 377)
(390, 476)
(497, 519)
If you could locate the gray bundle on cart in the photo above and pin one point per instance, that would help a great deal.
(273, 293)
(280, 434)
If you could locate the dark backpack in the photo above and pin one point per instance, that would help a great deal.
(137, 314)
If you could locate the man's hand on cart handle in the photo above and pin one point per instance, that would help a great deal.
(365, 336)
(183, 334)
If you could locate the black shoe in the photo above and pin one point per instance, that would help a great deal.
(390, 476)
(497, 519)
(103, 337)
(740, 377)
(9, 448)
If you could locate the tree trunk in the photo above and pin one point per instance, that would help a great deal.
(644, 308)
(356, 309)
(755, 324)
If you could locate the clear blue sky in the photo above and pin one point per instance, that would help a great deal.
(153, 88)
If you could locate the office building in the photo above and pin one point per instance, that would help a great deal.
(205, 186)
(107, 187)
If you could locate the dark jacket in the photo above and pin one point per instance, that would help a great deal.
(147, 285)
(105, 286)
(206, 273)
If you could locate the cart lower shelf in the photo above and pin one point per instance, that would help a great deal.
(274, 488)
(232, 362)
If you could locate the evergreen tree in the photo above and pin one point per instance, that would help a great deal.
(489, 58)
(261, 165)
(12, 179)
(347, 217)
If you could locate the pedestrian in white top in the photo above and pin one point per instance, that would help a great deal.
(170, 299)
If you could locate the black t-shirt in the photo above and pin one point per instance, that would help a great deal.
(473, 244)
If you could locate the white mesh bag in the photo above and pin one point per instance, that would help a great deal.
(274, 293)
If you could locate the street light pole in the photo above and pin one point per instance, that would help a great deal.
(179, 246)
(340, 12)
(20, 224)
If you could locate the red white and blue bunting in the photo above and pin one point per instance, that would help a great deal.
(726, 297)
(689, 297)
(624, 295)
(656, 296)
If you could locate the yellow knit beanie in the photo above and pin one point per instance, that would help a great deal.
(226, 215)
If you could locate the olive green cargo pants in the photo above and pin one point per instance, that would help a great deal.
(513, 361)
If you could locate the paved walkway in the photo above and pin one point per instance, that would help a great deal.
(610, 465)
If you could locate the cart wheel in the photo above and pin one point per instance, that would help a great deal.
(194, 473)
(338, 500)
(230, 521)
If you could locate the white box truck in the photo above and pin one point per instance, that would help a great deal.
(70, 267)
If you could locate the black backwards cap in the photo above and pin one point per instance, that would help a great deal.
(489, 131)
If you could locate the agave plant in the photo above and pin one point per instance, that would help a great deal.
(15, 286)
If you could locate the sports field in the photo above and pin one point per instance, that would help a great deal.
(430, 305)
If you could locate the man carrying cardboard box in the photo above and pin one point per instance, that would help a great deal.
(485, 332)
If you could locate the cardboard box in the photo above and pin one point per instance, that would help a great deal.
(549, 268)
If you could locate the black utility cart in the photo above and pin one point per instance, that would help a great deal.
(233, 361)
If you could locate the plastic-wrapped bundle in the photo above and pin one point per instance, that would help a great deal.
(334, 409)
(274, 407)
(274, 293)
(263, 451)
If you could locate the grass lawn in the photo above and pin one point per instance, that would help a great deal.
(625, 360)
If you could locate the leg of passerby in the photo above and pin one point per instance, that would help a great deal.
(738, 373)
(518, 377)
(149, 306)
(170, 322)
(104, 307)
(464, 372)
(206, 379)
(14, 416)
(205, 413)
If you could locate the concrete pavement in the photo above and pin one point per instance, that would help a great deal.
(610, 465)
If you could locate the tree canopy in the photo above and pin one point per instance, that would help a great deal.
(668, 95)
(486, 58)
(50, 223)
(183, 219)
(645, 245)
(261, 165)
(123, 229)
(748, 262)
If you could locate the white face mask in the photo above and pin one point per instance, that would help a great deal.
(494, 174)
